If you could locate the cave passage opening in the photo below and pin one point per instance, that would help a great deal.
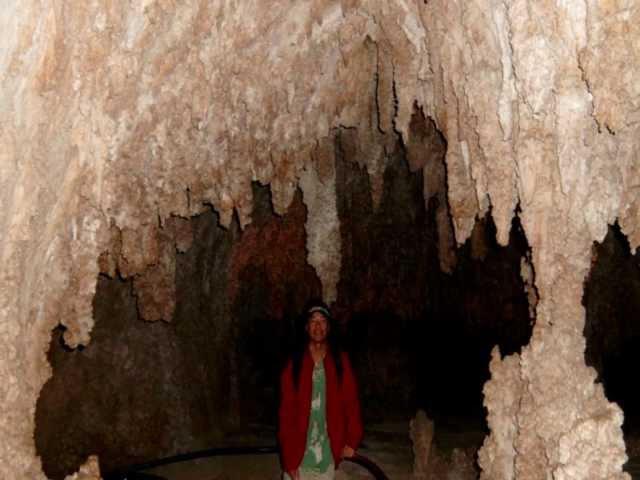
(423, 315)
(612, 303)
(420, 335)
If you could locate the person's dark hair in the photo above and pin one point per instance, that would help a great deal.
(303, 340)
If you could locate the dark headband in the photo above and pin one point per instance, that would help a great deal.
(320, 309)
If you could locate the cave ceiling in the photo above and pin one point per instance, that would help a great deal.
(117, 117)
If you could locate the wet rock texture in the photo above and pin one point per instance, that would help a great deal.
(117, 114)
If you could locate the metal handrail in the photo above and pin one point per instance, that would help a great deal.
(369, 465)
(134, 472)
(121, 474)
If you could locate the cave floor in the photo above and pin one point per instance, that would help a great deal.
(387, 444)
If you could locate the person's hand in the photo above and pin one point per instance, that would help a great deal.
(348, 452)
(294, 474)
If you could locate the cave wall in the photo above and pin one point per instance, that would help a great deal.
(164, 388)
(144, 390)
(116, 115)
(538, 109)
(612, 304)
(422, 315)
(117, 396)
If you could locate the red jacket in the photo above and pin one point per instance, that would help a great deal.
(344, 424)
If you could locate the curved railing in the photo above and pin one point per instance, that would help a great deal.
(368, 465)
(135, 472)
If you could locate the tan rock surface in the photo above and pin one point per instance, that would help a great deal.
(421, 432)
(117, 114)
(516, 66)
(89, 471)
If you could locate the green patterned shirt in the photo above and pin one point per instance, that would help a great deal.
(318, 456)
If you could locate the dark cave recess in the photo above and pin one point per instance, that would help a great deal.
(612, 303)
(418, 337)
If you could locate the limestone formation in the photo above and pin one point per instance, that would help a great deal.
(429, 462)
(117, 115)
(421, 431)
(318, 184)
(89, 471)
(516, 104)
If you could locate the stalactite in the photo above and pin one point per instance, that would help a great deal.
(318, 185)
(113, 110)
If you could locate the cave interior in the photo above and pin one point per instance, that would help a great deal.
(418, 318)
(418, 315)
(457, 180)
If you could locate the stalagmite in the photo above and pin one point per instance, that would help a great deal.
(570, 177)
(89, 471)
(117, 116)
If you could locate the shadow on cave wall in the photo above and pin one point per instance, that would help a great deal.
(612, 331)
(419, 338)
(142, 390)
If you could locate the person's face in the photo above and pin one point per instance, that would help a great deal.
(318, 328)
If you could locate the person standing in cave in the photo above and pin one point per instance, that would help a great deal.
(319, 415)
